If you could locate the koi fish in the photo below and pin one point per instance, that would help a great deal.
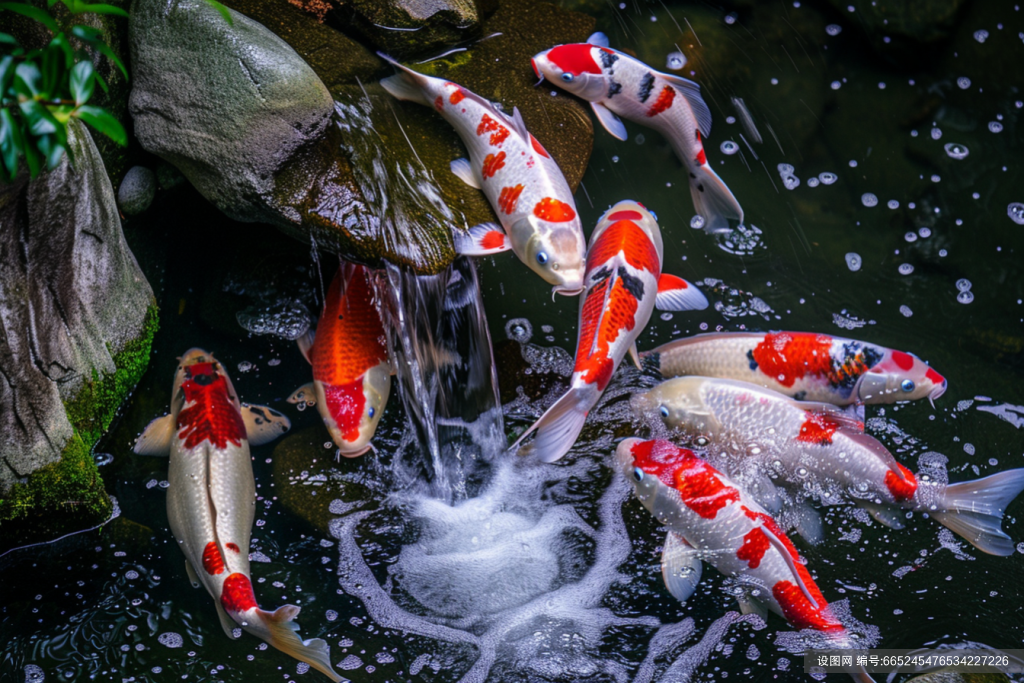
(211, 498)
(616, 85)
(709, 518)
(804, 365)
(821, 449)
(349, 355)
(624, 283)
(524, 185)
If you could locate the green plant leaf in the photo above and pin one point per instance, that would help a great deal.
(51, 149)
(7, 39)
(31, 159)
(33, 13)
(86, 33)
(97, 8)
(6, 74)
(40, 120)
(82, 81)
(61, 41)
(223, 11)
(28, 79)
(52, 71)
(104, 122)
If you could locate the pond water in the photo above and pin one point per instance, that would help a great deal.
(900, 232)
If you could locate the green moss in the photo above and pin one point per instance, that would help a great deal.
(92, 410)
(58, 498)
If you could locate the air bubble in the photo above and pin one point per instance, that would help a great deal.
(812, 182)
(244, 366)
(963, 284)
(936, 133)
(519, 329)
(893, 204)
(790, 182)
(868, 199)
(925, 233)
(785, 169)
(833, 29)
(171, 640)
(910, 236)
(854, 261)
(697, 222)
(729, 147)
(995, 126)
(1016, 212)
(827, 178)
(955, 150)
(675, 61)
(836, 85)
(963, 82)
(905, 310)
(906, 268)
(730, 18)
(981, 35)
(965, 297)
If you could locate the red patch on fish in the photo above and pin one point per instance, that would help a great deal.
(538, 148)
(660, 458)
(934, 377)
(213, 563)
(625, 216)
(799, 611)
(209, 414)
(574, 59)
(439, 103)
(817, 429)
(457, 96)
(755, 543)
(492, 163)
(553, 210)
(700, 488)
(492, 240)
(788, 356)
(498, 131)
(346, 403)
(667, 282)
(901, 489)
(236, 595)
(627, 238)
(592, 356)
(232, 547)
(509, 197)
(664, 101)
(701, 157)
(904, 361)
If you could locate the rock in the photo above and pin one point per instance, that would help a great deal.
(76, 319)
(168, 177)
(137, 190)
(404, 27)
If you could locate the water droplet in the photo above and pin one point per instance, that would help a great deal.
(801, 471)
(925, 233)
(102, 459)
(893, 204)
(812, 182)
(910, 236)
(729, 147)
(943, 253)
(955, 150)
(963, 82)
(615, 160)
(853, 261)
(1016, 212)
(995, 126)
(936, 133)
(833, 29)
(244, 366)
(905, 310)
(730, 18)
(827, 178)
(906, 268)
(963, 284)
(785, 169)
(790, 182)
(981, 35)
(836, 85)
(965, 297)
(697, 222)
(675, 61)
(171, 640)
(519, 329)
(868, 199)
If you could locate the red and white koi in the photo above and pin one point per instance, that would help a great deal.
(711, 519)
(211, 498)
(524, 185)
(624, 283)
(804, 365)
(617, 84)
(351, 369)
(824, 451)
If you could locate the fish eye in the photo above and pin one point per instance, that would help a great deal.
(372, 412)
(653, 215)
(664, 411)
(638, 474)
(907, 385)
(568, 78)
(542, 257)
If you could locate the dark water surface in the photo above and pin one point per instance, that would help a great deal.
(115, 604)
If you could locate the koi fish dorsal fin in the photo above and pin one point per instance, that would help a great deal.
(783, 549)
(406, 84)
(518, 125)
(598, 39)
(833, 414)
(156, 437)
(482, 240)
(875, 446)
(263, 424)
(676, 294)
(680, 566)
(691, 91)
(612, 123)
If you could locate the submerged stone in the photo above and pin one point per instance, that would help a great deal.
(402, 27)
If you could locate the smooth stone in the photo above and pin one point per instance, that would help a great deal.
(404, 27)
(137, 190)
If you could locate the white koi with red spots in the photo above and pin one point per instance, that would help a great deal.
(524, 185)
(617, 84)
(623, 284)
(804, 365)
(211, 498)
(710, 519)
(824, 451)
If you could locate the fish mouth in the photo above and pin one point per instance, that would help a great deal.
(566, 290)
(937, 391)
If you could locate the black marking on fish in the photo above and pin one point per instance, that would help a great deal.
(633, 284)
(614, 88)
(603, 274)
(800, 395)
(646, 85)
(608, 58)
(700, 187)
(693, 175)
(872, 356)
(750, 357)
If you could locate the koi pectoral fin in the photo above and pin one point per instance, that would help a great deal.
(156, 437)
(676, 294)
(226, 622)
(599, 39)
(464, 172)
(193, 578)
(612, 123)
(482, 240)
(263, 424)
(680, 567)
(749, 605)
(635, 356)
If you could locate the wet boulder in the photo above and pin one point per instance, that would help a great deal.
(403, 27)
(76, 323)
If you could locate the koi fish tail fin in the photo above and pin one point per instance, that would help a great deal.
(406, 84)
(559, 426)
(974, 510)
(278, 628)
(713, 200)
